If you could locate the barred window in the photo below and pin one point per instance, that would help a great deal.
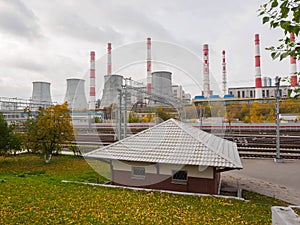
(180, 175)
(138, 171)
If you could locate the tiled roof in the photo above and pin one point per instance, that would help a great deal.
(173, 142)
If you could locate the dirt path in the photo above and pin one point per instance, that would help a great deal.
(279, 180)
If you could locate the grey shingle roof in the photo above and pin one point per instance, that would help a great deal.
(173, 142)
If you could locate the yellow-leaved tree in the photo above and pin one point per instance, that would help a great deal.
(54, 128)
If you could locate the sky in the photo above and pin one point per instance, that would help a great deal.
(51, 41)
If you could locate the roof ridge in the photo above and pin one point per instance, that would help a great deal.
(182, 125)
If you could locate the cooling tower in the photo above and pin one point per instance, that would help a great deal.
(162, 85)
(75, 95)
(41, 96)
(110, 92)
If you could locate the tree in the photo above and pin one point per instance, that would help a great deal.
(283, 14)
(9, 139)
(162, 114)
(29, 135)
(133, 118)
(4, 135)
(15, 140)
(54, 128)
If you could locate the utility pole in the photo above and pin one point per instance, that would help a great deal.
(120, 114)
(125, 109)
(200, 117)
(277, 159)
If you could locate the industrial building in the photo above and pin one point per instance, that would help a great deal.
(266, 92)
(181, 95)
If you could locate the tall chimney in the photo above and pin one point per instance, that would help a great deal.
(92, 81)
(148, 64)
(258, 86)
(224, 73)
(293, 67)
(108, 58)
(206, 85)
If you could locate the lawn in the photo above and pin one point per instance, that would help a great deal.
(31, 192)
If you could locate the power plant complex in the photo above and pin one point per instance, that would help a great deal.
(159, 89)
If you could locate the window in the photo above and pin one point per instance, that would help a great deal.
(180, 176)
(251, 94)
(239, 94)
(243, 94)
(263, 93)
(268, 93)
(138, 172)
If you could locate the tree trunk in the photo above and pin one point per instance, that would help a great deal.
(48, 156)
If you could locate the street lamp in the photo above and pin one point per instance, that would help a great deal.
(277, 159)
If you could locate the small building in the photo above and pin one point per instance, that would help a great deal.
(170, 156)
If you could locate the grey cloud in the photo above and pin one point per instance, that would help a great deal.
(75, 26)
(18, 20)
(127, 17)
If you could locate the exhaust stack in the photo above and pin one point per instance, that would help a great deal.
(149, 65)
(293, 67)
(224, 73)
(109, 59)
(258, 85)
(206, 84)
(92, 81)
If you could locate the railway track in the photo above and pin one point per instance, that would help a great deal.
(285, 153)
(251, 144)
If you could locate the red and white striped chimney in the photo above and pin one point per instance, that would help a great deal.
(92, 81)
(206, 84)
(293, 67)
(108, 58)
(149, 81)
(258, 85)
(224, 73)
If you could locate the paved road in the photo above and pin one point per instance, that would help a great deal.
(280, 180)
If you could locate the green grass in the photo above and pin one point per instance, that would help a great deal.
(31, 192)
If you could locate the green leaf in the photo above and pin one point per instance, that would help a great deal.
(266, 19)
(284, 12)
(274, 4)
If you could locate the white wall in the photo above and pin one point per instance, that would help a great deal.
(165, 169)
